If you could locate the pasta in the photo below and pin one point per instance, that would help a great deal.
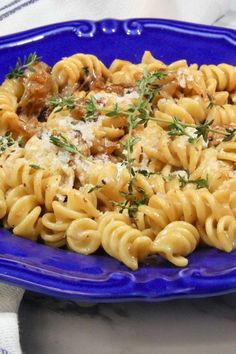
(175, 241)
(223, 74)
(131, 160)
(23, 212)
(120, 240)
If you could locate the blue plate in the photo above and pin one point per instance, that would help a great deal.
(100, 278)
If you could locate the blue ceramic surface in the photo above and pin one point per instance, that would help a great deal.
(100, 278)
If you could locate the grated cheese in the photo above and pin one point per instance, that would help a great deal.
(104, 97)
(86, 130)
(120, 168)
(181, 173)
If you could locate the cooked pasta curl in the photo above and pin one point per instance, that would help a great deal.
(131, 160)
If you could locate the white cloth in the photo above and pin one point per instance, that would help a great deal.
(19, 15)
(10, 298)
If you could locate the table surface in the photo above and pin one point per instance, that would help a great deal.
(197, 326)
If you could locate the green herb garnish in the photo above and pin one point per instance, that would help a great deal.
(211, 104)
(36, 167)
(62, 142)
(20, 67)
(7, 140)
(91, 108)
(146, 173)
(114, 112)
(200, 183)
(178, 128)
(131, 205)
(61, 102)
(97, 186)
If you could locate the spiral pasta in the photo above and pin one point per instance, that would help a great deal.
(3, 205)
(23, 212)
(134, 160)
(224, 74)
(37, 182)
(83, 236)
(122, 241)
(190, 205)
(219, 234)
(179, 152)
(52, 230)
(70, 70)
(187, 109)
(9, 120)
(176, 240)
(222, 114)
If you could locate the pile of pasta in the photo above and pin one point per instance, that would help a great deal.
(135, 159)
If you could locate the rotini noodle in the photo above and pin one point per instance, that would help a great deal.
(176, 240)
(134, 160)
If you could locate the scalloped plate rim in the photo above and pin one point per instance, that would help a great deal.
(145, 21)
(12, 268)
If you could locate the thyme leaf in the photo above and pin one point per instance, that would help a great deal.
(146, 173)
(62, 142)
(131, 205)
(114, 112)
(229, 135)
(61, 102)
(97, 186)
(176, 128)
(211, 104)
(7, 140)
(203, 129)
(36, 167)
(200, 183)
(91, 108)
(20, 67)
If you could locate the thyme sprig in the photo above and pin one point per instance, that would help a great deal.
(211, 103)
(146, 173)
(128, 144)
(131, 205)
(7, 140)
(200, 182)
(148, 85)
(91, 108)
(62, 142)
(177, 128)
(97, 186)
(137, 114)
(36, 167)
(20, 67)
(114, 111)
(62, 102)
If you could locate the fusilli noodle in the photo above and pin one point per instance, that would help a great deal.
(134, 160)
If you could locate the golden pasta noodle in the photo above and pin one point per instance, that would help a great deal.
(52, 230)
(175, 241)
(224, 74)
(219, 234)
(133, 160)
(3, 205)
(23, 212)
(122, 241)
(83, 236)
(222, 114)
(70, 70)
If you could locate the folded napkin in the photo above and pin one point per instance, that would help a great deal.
(19, 15)
(10, 298)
